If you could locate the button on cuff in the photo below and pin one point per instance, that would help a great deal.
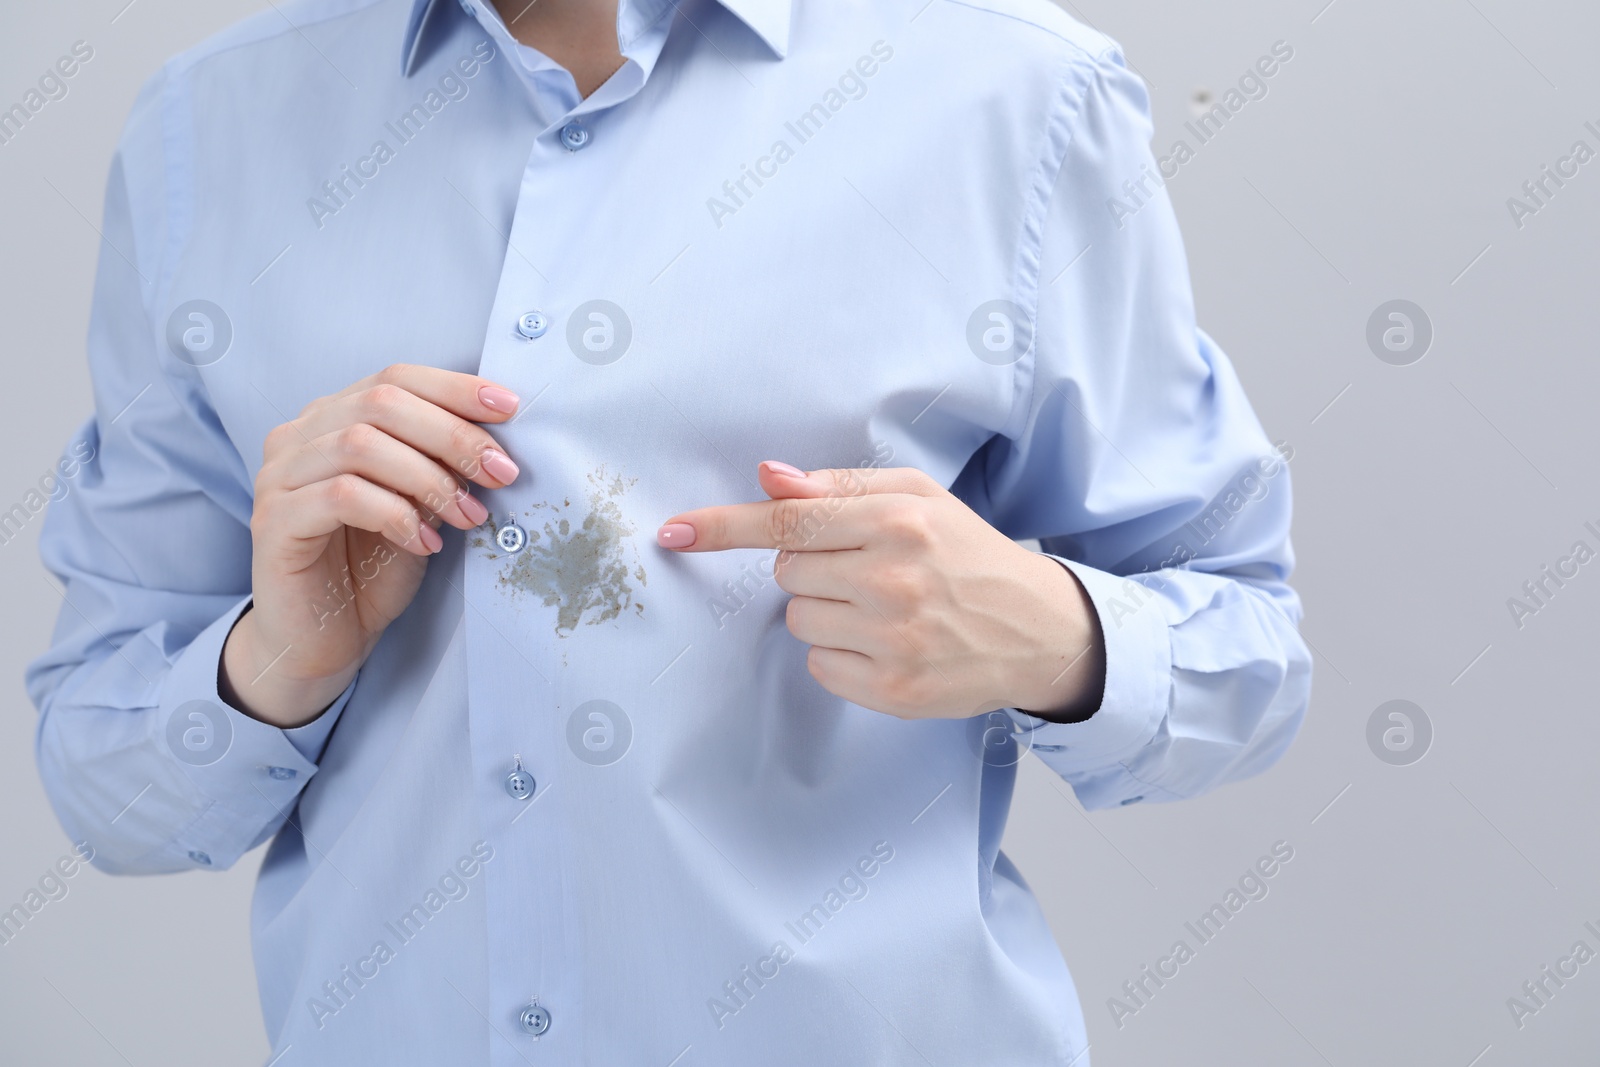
(224, 754)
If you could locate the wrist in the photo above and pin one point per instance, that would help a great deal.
(252, 678)
(1064, 679)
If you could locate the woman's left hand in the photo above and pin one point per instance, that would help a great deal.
(912, 604)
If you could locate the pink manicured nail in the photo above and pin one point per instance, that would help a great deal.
(778, 467)
(497, 399)
(430, 538)
(499, 465)
(675, 535)
(472, 508)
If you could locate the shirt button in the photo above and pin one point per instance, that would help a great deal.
(574, 135)
(519, 783)
(533, 325)
(1132, 800)
(282, 774)
(534, 1019)
(511, 537)
(200, 857)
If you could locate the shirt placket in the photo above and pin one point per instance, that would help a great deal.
(517, 724)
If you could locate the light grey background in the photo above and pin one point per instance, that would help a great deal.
(1419, 897)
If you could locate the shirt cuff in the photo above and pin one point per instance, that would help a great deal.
(251, 772)
(1138, 687)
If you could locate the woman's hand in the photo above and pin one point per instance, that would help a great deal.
(347, 506)
(911, 603)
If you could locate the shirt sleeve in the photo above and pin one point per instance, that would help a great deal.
(148, 534)
(1137, 462)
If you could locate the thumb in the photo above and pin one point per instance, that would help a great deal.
(781, 481)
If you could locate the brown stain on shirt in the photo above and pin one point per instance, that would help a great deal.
(584, 567)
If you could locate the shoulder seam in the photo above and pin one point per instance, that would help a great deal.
(1058, 137)
(177, 133)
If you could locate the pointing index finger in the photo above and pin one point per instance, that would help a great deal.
(823, 524)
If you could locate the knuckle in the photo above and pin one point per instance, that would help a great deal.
(382, 400)
(784, 575)
(404, 516)
(468, 466)
(787, 523)
(815, 666)
(788, 563)
(438, 496)
(260, 520)
(902, 690)
(780, 522)
(909, 525)
(276, 440)
(897, 585)
(444, 493)
(850, 481)
(466, 441)
(265, 487)
(342, 490)
(394, 373)
(358, 440)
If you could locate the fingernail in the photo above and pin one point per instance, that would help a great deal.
(675, 535)
(472, 508)
(497, 399)
(499, 465)
(778, 467)
(430, 538)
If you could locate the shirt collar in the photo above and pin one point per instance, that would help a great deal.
(769, 19)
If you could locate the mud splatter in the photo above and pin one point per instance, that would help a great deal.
(586, 568)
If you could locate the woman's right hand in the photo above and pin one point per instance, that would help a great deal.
(347, 506)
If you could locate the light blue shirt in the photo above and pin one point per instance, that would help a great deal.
(837, 235)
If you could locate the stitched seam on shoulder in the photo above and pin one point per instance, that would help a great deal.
(177, 142)
(1074, 81)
